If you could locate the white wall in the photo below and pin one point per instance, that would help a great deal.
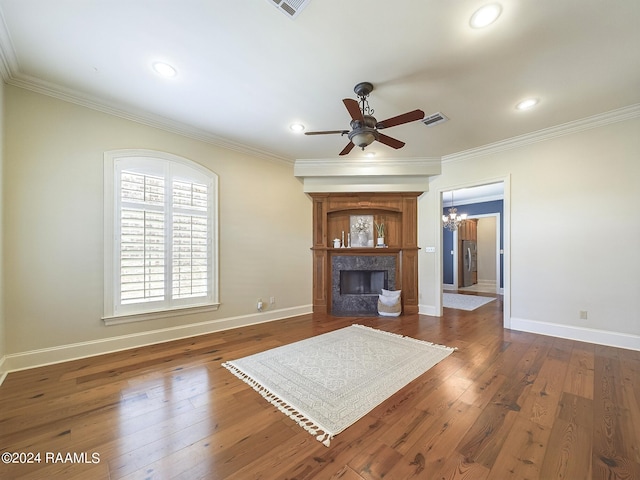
(572, 204)
(53, 231)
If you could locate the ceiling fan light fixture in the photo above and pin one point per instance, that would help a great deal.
(485, 15)
(363, 139)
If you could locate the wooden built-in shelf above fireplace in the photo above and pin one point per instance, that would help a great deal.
(332, 215)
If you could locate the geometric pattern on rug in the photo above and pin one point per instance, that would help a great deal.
(464, 302)
(328, 382)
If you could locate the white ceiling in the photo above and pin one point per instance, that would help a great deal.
(246, 71)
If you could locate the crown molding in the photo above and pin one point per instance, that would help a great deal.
(569, 128)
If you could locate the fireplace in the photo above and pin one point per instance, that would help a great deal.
(363, 282)
(357, 280)
(333, 246)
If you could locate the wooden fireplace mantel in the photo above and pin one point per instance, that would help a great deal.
(332, 215)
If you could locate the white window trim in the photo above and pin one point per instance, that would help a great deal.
(111, 265)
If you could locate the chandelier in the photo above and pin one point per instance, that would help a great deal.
(453, 220)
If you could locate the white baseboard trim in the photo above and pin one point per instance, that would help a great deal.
(428, 310)
(64, 353)
(581, 334)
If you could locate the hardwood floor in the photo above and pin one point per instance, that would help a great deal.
(505, 405)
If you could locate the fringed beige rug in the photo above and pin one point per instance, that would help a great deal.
(328, 382)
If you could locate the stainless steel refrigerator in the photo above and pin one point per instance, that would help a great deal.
(470, 262)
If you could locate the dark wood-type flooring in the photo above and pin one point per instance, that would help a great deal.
(505, 405)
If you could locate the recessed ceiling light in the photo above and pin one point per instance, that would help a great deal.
(527, 104)
(296, 127)
(485, 16)
(164, 69)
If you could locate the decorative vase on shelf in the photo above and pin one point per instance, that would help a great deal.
(362, 239)
(380, 232)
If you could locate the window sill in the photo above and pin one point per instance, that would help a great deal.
(141, 317)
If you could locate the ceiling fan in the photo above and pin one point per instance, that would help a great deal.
(365, 129)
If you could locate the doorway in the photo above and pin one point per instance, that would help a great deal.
(485, 207)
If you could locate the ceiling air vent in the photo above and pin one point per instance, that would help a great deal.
(291, 8)
(434, 119)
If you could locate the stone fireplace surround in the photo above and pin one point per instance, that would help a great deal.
(364, 304)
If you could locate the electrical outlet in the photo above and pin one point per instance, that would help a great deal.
(272, 300)
(583, 315)
(260, 305)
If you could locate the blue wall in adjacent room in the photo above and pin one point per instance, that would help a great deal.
(471, 209)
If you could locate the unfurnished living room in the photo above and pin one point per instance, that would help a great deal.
(319, 239)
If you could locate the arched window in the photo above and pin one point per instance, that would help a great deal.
(160, 236)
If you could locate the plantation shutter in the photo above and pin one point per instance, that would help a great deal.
(142, 238)
(189, 240)
(160, 236)
(148, 223)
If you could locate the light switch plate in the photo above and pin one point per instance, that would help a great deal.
(430, 249)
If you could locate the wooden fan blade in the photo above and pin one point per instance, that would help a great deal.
(326, 132)
(354, 109)
(400, 119)
(392, 142)
(347, 149)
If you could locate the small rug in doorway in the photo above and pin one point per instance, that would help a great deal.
(464, 302)
(328, 382)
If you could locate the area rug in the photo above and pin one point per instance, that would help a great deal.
(464, 302)
(328, 382)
